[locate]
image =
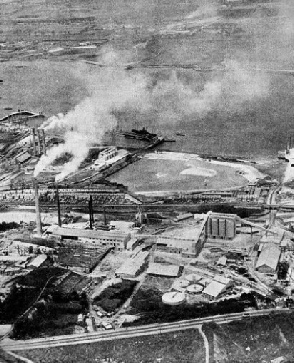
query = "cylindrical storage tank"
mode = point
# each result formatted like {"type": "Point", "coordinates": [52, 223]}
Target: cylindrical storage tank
{"type": "Point", "coordinates": [173, 298]}
{"type": "Point", "coordinates": [214, 227]}
{"type": "Point", "coordinates": [222, 227]}
{"type": "Point", "coordinates": [193, 277]}
{"type": "Point", "coordinates": [194, 289]}
{"type": "Point", "coordinates": [180, 285]}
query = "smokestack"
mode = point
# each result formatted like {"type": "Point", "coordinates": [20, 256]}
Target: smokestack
{"type": "Point", "coordinates": [58, 206]}
{"type": "Point", "coordinates": [91, 212]}
{"type": "Point", "coordinates": [104, 214]}
{"type": "Point", "coordinates": [43, 141]}
{"type": "Point", "coordinates": [39, 142]}
{"type": "Point", "coordinates": [34, 140]}
{"type": "Point", "coordinates": [37, 206]}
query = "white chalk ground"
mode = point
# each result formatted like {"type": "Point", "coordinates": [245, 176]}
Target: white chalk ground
{"type": "Point", "coordinates": [26, 216]}
{"type": "Point", "coordinates": [194, 170]}
{"type": "Point", "coordinates": [247, 171]}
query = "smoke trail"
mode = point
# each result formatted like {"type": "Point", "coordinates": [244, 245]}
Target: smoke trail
{"type": "Point", "coordinates": [86, 124]}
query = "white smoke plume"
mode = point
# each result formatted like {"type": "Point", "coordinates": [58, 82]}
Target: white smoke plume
{"type": "Point", "coordinates": [115, 89]}
{"type": "Point", "coordinates": [289, 173]}
{"type": "Point", "coordinates": [85, 125]}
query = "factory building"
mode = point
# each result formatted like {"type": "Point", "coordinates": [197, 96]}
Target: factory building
{"type": "Point", "coordinates": [108, 153]}
{"type": "Point", "coordinates": [114, 239]}
{"type": "Point", "coordinates": [221, 226]}
{"type": "Point", "coordinates": [39, 261]}
{"type": "Point", "coordinates": [133, 266]}
{"type": "Point", "coordinates": [214, 290]}
{"type": "Point", "coordinates": [158, 269]}
{"type": "Point", "coordinates": [186, 242]}
{"type": "Point", "coordinates": [268, 259]}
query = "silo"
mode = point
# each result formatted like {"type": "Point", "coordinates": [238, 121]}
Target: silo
{"type": "Point", "coordinates": [214, 227]}
{"type": "Point", "coordinates": [222, 227]}
{"type": "Point", "coordinates": [209, 227]}
{"type": "Point", "coordinates": [230, 228]}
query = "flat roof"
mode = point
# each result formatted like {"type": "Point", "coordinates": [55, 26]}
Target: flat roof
{"type": "Point", "coordinates": [163, 270]}
{"type": "Point", "coordinates": [89, 233]}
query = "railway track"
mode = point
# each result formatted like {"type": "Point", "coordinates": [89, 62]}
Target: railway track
{"type": "Point", "coordinates": [124, 333]}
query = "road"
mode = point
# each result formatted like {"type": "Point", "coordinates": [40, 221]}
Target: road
{"type": "Point", "coordinates": [271, 201]}
{"type": "Point", "coordinates": [206, 343]}
{"type": "Point", "coordinates": [132, 332]}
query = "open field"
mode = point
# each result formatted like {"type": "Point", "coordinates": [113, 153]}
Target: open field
{"type": "Point", "coordinates": [166, 172]}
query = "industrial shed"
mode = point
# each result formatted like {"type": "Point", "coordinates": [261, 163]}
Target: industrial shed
{"type": "Point", "coordinates": [268, 259]}
{"type": "Point", "coordinates": [158, 269]}
{"type": "Point", "coordinates": [133, 266]}
{"type": "Point", "coordinates": [38, 261]}
{"type": "Point", "coordinates": [213, 290]}
{"type": "Point", "coordinates": [117, 239]}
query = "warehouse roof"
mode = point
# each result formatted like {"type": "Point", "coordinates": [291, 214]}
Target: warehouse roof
{"type": "Point", "coordinates": [214, 289]}
{"type": "Point", "coordinates": [89, 233]}
{"type": "Point", "coordinates": [37, 261]}
{"type": "Point", "coordinates": [163, 270]}
{"type": "Point", "coordinates": [269, 256]}
{"type": "Point", "coordinates": [132, 264]}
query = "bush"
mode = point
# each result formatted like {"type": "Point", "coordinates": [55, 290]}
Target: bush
{"type": "Point", "coordinates": [114, 296]}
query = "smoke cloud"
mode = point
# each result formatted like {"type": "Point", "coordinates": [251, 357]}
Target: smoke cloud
{"type": "Point", "coordinates": [115, 89]}
{"type": "Point", "coordinates": [227, 90]}
{"type": "Point", "coordinates": [109, 90]}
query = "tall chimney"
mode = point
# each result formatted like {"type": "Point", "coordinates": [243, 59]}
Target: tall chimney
{"type": "Point", "coordinates": [39, 142]}
{"type": "Point", "coordinates": [91, 212]}
{"type": "Point", "coordinates": [34, 140]}
{"type": "Point", "coordinates": [43, 141]}
{"type": "Point", "coordinates": [37, 206]}
{"type": "Point", "coordinates": [58, 206]}
{"type": "Point", "coordinates": [104, 214]}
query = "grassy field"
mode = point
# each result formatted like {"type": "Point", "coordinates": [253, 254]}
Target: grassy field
{"type": "Point", "coordinates": [257, 340]}
{"type": "Point", "coordinates": [161, 175]}
{"type": "Point", "coordinates": [184, 347]}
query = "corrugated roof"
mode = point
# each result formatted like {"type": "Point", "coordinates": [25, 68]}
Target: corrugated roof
{"type": "Point", "coordinates": [163, 270]}
{"type": "Point", "coordinates": [214, 289]}
{"type": "Point", "coordinates": [89, 233]}
{"type": "Point", "coordinates": [269, 256]}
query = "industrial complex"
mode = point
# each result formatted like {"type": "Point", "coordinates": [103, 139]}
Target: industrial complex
{"type": "Point", "coordinates": [108, 249]}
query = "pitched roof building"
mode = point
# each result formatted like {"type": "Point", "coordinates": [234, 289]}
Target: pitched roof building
{"type": "Point", "coordinates": [268, 259]}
